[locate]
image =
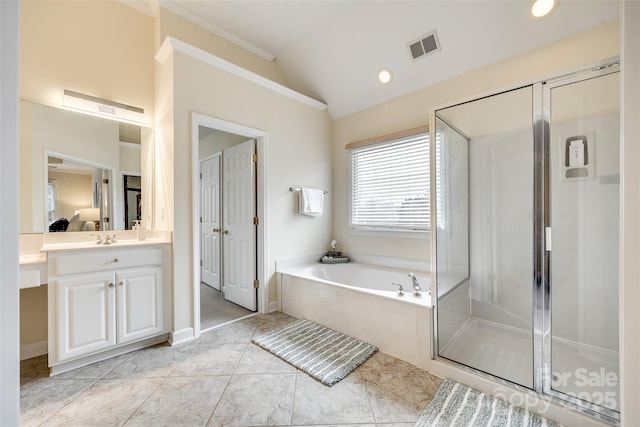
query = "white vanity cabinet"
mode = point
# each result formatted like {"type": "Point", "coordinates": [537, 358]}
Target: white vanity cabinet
{"type": "Point", "coordinates": [105, 301]}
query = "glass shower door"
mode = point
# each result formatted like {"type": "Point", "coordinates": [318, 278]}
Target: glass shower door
{"type": "Point", "coordinates": [584, 201]}
{"type": "Point", "coordinates": [484, 243]}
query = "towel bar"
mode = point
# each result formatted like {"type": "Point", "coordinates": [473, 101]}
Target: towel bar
{"type": "Point", "coordinates": [294, 189]}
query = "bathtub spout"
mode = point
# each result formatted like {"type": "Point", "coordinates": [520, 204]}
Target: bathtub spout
{"type": "Point", "coordinates": [416, 286]}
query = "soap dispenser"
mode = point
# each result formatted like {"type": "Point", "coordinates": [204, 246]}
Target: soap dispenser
{"type": "Point", "coordinates": [141, 232]}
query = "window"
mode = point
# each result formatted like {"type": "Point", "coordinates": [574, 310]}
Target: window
{"type": "Point", "coordinates": [51, 201]}
{"type": "Point", "coordinates": [390, 185]}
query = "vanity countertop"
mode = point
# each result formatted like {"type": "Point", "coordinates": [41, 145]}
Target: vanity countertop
{"type": "Point", "coordinates": [68, 246]}
{"type": "Point", "coordinates": [36, 258]}
{"type": "Point", "coordinates": [87, 240]}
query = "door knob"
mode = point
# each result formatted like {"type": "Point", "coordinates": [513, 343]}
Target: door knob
{"type": "Point", "coordinates": [111, 285]}
{"type": "Point", "coordinates": [225, 231]}
{"type": "Point", "coordinates": [121, 283]}
{"type": "Point", "coordinates": [216, 230]}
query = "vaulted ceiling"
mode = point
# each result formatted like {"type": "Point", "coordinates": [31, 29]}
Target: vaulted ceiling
{"type": "Point", "coordinates": [333, 50]}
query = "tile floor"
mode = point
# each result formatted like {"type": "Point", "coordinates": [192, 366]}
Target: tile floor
{"type": "Point", "coordinates": [215, 310]}
{"type": "Point", "coordinates": [222, 380]}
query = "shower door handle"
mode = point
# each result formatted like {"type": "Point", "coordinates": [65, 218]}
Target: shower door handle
{"type": "Point", "coordinates": [547, 239]}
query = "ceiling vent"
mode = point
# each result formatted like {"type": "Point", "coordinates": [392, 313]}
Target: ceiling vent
{"type": "Point", "coordinates": [425, 45]}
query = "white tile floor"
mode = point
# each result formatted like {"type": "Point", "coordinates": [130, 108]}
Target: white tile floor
{"type": "Point", "coordinates": [222, 380]}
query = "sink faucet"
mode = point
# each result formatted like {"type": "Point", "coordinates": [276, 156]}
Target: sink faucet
{"type": "Point", "coordinates": [108, 239]}
{"type": "Point", "coordinates": [98, 238]}
{"type": "Point", "coordinates": [416, 286]}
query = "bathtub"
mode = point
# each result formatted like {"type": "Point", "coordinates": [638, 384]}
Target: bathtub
{"type": "Point", "coordinates": [360, 300]}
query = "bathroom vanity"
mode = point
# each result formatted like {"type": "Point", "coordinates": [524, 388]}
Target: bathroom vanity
{"type": "Point", "coordinates": [102, 299]}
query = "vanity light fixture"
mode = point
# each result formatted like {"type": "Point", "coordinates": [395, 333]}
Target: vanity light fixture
{"type": "Point", "coordinates": [385, 75]}
{"type": "Point", "coordinates": [103, 108]}
{"type": "Point", "coordinates": [542, 8]}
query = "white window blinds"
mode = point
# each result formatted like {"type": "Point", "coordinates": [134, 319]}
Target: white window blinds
{"type": "Point", "coordinates": [390, 184]}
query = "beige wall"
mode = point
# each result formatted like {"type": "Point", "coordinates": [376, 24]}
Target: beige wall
{"type": "Point", "coordinates": [101, 48]}
{"type": "Point", "coordinates": [73, 193]}
{"type": "Point", "coordinates": [130, 157]}
{"type": "Point", "coordinates": [298, 152]}
{"type": "Point", "coordinates": [413, 110]}
{"type": "Point", "coordinates": [630, 230]}
{"type": "Point", "coordinates": [33, 312]}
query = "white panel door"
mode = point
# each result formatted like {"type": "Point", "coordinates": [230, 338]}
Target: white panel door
{"type": "Point", "coordinates": [239, 235]}
{"type": "Point", "coordinates": [210, 227]}
{"type": "Point", "coordinates": [85, 314]}
{"type": "Point", "coordinates": [140, 302]}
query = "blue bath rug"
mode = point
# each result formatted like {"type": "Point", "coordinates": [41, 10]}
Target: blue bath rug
{"type": "Point", "coordinates": [323, 353]}
{"type": "Point", "coordinates": [458, 405]}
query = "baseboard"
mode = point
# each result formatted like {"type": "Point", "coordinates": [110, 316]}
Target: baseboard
{"type": "Point", "coordinates": [34, 349]}
{"type": "Point", "coordinates": [182, 336]}
{"type": "Point", "coordinates": [273, 306]}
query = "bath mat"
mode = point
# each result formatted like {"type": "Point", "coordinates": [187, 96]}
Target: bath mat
{"type": "Point", "coordinates": [323, 353]}
{"type": "Point", "coordinates": [458, 405]}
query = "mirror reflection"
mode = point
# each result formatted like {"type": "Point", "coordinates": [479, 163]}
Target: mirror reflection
{"type": "Point", "coordinates": [76, 196]}
{"type": "Point", "coordinates": [78, 172]}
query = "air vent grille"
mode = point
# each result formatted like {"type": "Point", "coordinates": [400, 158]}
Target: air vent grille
{"type": "Point", "coordinates": [425, 45]}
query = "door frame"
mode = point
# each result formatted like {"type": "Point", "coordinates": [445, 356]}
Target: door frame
{"type": "Point", "coordinates": [261, 138]}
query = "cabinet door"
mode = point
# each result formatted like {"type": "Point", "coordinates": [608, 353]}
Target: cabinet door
{"type": "Point", "coordinates": [85, 314]}
{"type": "Point", "coordinates": [140, 301]}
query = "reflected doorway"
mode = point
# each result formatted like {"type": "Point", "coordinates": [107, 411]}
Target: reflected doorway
{"type": "Point", "coordinates": [132, 200]}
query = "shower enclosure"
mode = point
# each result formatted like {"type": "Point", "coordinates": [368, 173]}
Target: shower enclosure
{"type": "Point", "coordinates": [526, 213]}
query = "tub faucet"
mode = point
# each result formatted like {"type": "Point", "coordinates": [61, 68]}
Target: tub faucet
{"type": "Point", "coordinates": [416, 286]}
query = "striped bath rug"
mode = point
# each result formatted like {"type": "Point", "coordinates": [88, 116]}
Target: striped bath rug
{"type": "Point", "coordinates": [458, 405]}
{"type": "Point", "coordinates": [323, 353]}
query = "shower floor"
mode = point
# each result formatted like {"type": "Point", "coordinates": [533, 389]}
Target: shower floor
{"type": "Point", "coordinates": [580, 370]}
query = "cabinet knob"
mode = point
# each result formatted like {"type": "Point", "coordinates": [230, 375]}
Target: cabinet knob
{"type": "Point", "coordinates": [115, 260]}
{"type": "Point", "coordinates": [111, 285]}
{"type": "Point", "coordinates": [121, 283]}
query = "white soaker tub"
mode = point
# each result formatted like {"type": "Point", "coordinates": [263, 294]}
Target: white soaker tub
{"type": "Point", "coordinates": [360, 300]}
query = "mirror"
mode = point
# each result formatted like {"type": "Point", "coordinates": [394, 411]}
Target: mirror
{"type": "Point", "coordinates": [77, 198]}
{"type": "Point", "coordinates": [78, 172]}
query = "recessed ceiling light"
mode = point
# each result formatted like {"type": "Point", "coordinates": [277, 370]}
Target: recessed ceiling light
{"type": "Point", "coordinates": [542, 8]}
{"type": "Point", "coordinates": [384, 75]}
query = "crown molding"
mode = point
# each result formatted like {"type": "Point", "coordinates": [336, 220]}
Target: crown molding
{"type": "Point", "coordinates": [174, 7]}
{"type": "Point", "coordinates": [148, 7]}
{"type": "Point", "coordinates": [171, 44]}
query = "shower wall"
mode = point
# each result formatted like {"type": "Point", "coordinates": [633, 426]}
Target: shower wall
{"type": "Point", "coordinates": [585, 224]}
{"type": "Point", "coordinates": [501, 236]}
{"type": "Point", "coordinates": [501, 268]}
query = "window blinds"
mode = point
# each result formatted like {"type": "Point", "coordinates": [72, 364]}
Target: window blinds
{"type": "Point", "coordinates": [390, 184]}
